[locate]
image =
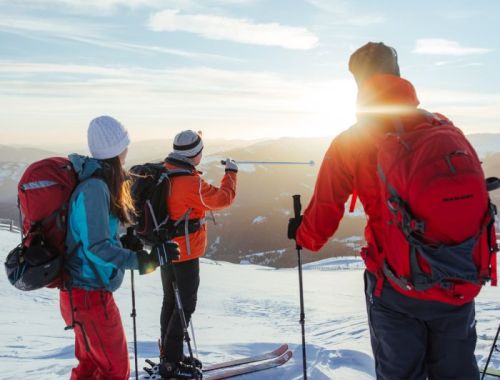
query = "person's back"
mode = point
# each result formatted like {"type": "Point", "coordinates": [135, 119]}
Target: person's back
{"type": "Point", "coordinates": [441, 334]}
{"type": "Point", "coordinates": [95, 259]}
{"type": "Point", "coordinates": [189, 198]}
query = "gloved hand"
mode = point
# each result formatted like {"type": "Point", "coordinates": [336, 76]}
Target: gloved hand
{"type": "Point", "coordinates": [293, 226]}
{"type": "Point", "coordinates": [231, 165]}
{"type": "Point", "coordinates": [131, 241]}
{"type": "Point", "coordinates": [147, 263]}
{"type": "Point", "coordinates": [170, 251]}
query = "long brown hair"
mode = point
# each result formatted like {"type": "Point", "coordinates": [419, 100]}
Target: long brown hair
{"type": "Point", "coordinates": [121, 203]}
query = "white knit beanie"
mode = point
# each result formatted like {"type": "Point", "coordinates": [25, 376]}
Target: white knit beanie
{"type": "Point", "coordinates": [188, 144]}
{"type": "Point", "coordinates": [107, 137]}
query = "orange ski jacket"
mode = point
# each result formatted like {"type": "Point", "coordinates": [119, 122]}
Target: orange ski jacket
{"type": "Point", "coordinates": [349, 166]}
{"type": "Point", "coordinates": [192, 196]}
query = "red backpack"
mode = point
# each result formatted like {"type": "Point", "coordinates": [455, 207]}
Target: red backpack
{"type": "Point", "coordinates": [44, 191]}
{"type": "Point", "coordinates": [440, 230]}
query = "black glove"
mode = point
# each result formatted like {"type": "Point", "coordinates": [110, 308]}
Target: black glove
{"type": "Point", "coordinates": [131, 241]}
{"type": "Point", "coordinates": [147, 263]}
{"type": "Point", "coordinates": [169, 250]}
{"type": "Point", "coordinates": [293, 226]}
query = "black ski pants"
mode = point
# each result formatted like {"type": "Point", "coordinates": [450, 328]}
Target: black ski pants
{"type": "Point", "coordinates": [187, 276]}
{"type": "Point", "coordinates": [417, 340]}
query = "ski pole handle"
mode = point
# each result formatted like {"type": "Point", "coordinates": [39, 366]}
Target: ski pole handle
{"type": "Point", "coordinates": [297, 207]}
{"type": "Point", "coordinates": [492, 183]}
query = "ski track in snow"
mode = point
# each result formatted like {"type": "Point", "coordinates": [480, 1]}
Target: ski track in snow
{"type": "Point", "coordinates": [242, 310]}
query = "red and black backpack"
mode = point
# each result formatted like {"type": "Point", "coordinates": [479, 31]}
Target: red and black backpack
{"type": "Point", "coordinates": [44, 191]}
{"type": "Point", "coordinates": [439, 219]}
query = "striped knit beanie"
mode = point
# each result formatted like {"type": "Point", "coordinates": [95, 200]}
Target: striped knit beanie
{"type": "Point", "coordinates": [188, 144]}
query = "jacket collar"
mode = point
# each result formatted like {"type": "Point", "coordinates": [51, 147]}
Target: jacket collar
{"type": "Point", "coordinates": [386, 94]}
{"type": "Point", "coordinates": [180, 161]}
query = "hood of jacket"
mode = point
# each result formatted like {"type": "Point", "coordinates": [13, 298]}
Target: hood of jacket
{"type": "Point", "coordinates": [386, 94]}
{"type": "Point", "coordinates": [85, 167]}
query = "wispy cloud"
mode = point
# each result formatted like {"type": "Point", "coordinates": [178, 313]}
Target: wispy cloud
{"type": "Point", "coordinates": [90, 34]}
{"type": "Point", "coordinates": [344, 15]}
{"type": "Point", "coordinates": [106, 7]}
{"type": "Point", "coordinates": [234, 29]}
{"type": "Point", "coordinates": [154, 100]}
{"type": "Point", "coordinates": [32, 68]}
{"type": "Point", "coordinates": [439, 46]}
{"type": "Point", "coordinates": [473, 112]}
{"type": "Point", "coordinates": [54, 26]}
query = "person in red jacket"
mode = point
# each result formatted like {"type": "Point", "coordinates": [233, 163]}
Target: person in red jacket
{"type": "Point", "coordinates": [190, 198]}
{"type": "Point", "coordinates": [414, 335]}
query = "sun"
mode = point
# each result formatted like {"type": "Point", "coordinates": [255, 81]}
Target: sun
{"type": "Point", "coordinates": [329, 108]}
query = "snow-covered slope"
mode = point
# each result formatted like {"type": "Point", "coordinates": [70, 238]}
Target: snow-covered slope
{"type": "Point", "coordinates": [243, 309]}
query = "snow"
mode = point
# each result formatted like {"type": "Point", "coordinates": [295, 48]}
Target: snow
{"type": "Point", "coordinates": [11, 170]}
{"type": "Point", "coordinates": [242, 310]}
{"type": "Point", "coordinates": [259, 219]}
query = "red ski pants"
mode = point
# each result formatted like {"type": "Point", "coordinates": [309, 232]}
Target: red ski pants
{"type": "Point", "coordinates": [100, 324]}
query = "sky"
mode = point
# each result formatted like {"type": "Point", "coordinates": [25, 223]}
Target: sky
{"type": "Point", "coordinates": [235, 69]}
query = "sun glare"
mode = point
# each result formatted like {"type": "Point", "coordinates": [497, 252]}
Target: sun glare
{"type": "Point", "coordinates": [330, 108]}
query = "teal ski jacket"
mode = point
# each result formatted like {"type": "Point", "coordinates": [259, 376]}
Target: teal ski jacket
{"type": "Point", "coordinates": [95, 259]}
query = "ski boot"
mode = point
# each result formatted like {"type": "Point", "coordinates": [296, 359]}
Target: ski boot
{"type": "Point", "coordinates": [179, 371]}
{"type": "Point", "coordinates": [196, 362]}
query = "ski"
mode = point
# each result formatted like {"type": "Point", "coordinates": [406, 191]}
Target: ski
{"type": "Point", "coordinates": [491, 372]}
{"type": "Point", "coordinates": [249, 359]}
{"type": "Point", "coordinates": [152, 372]}
{"type": "Point", "coordinates": [230, 372]}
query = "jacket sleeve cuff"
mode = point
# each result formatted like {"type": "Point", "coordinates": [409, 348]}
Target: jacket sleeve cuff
{"type": "Point", "coordinates": [132, 262]}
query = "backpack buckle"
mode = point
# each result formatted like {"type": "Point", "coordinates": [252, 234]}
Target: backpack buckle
{"type": "Point", "coordinates": [417, 225]}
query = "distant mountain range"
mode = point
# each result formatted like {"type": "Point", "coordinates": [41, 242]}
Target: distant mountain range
{"type": "Point", "coordinates": [254, 229]}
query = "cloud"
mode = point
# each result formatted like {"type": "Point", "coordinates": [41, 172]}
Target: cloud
{"type": "Point", "coordinates": [234, 29]}
{"type": "Point", "coordinates": [473, 112]}
{"type": "Point", "coordinates": [438, 46]}
{"type": "Point", "coordinates": [344, 15]}
{"type": "Point", "coordinates": [90, 34]}
{"type": "Point", "coordinates": [57, 27]}
{"type": "Point", "coordinates": [106, 7]}
{"type": "Point", "coordinates": [221, 102]}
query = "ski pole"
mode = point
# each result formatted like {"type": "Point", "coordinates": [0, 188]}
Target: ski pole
{"type": "Point", "coordinates": [182, 316]}
{"type": "Point", "coordinates": [194, 338]}
{"type": "Point", "coordinates": [310, 163]}
{"type": "Point", "coordinates": [133, 315]}
{"type": "Point", "coordinates": [164, 258]}
{"type": "Point", "coordinates": [130, 231]}
{"type": "Point", "coordinates": [493, 347]}
{"type": "Point", "coordinates": [492, 183]}
{"type": "Point", "coordinates": [297, 208]}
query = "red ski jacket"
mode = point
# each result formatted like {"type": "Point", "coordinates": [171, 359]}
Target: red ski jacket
{"type": "Point", "coordinates": [349, 166]}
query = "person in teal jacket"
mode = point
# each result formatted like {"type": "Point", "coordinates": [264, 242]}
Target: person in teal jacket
{"type": "Point", "coordinates": [96, 258]}
{"type": "Point", "coordinates": [96, 261]}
